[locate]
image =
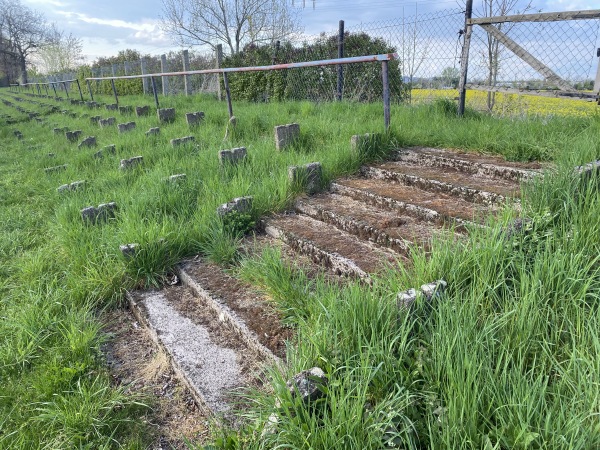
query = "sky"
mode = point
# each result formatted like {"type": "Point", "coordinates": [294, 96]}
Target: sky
{"type": "Point", "coordinates": [107, 26]}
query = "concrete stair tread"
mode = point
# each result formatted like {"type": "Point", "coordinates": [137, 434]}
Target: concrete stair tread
{"type": "Point", "coordinates": [472, 157]}
{"type": "Point", "coordinates": [505, 188]}
{"type": "Point", "coordinates": [368, 221]}
{"type": "Point", "coordinates": [302, 232]}
{"type": "Point", "coordinates": [208, 356]}
{"type": "Point", "coordinates": [446, 205]}
{"type": "Point", "coordinates": [249, 306]}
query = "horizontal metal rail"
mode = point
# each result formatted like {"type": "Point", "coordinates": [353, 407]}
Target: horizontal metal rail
{"type": "Point", "coordinates": [324, 62]}
{"type": "Point", "coordinates": [44, 83]}
{"type": "Point", "coordinates": [541, 17]}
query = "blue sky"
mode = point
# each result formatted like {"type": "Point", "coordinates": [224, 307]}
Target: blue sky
{"type": "Point", "coordinates": [107, 26]}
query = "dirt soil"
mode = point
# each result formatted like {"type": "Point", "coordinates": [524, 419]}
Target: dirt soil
{"type": "Point", "coordinates": [137, 365]}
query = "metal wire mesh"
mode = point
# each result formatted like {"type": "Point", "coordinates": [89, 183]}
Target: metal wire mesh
{"type": "Point", "coordinates": [429, 47]}
{"type": "Point", "coordinates": [567, 48]}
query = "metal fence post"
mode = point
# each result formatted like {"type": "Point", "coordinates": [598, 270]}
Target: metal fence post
{"type": "Point", "coordinates": [228, 95]}
{"type": "Point", "coordinates": [155, 92]}
{"type": "Point", "coordinates": [597, 82]}
{"type": "Point", "coordinates": [187, 85]}
{"type": "Point", "coordinates": [90, 89]}
{"type": "Point", "coordinates": [219, 51]}
{"type": "Point", "coordinates": [144, 71]}
{"type": "Point", "coordinates": [386, 94]}
{"type": "Point", "coordinates": [464, 59]}
{"type": "Point", "coordinates": [164, 68]}
{"type": "Point", "coordinates": [114, 91]}
{"type": "Point", "coordinates": [340, 68]}
{"type": "Point", "coordinates": [79, 87]}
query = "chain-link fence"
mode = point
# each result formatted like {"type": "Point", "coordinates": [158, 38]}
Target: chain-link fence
{"type": "Point", "coordinates": [429, 49]}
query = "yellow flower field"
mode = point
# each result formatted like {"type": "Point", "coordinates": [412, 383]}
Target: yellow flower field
{"type": "Point", "coordinates": [513, 104]}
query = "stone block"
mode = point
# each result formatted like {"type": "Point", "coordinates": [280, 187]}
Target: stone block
{"type": "Point", "coordinates": [429, 291]}
{"type": "Point", "coordinates": [153, 131]}
{"type": "Point", "coordinates": [108, 122]}
{"type": "Point", "coordinates": [142, 111]}
{"type": "Point", "coordinates": [73, 136]}
{"type": "Point", "coordinates": [239, 204]}
{"type": "Point", "coordinates": [125, 127]}
{"type": "Point", "coordinates": [91, 105]}
{"type": "Point", "coordinates": [309, 385]}
{"type": "Point", "coordinates": [233, 156]}
{"type": "Point", "coordinates": [126, 109]}
{"type": "Point", "coordinates": [51, 155]}
{"type": "Point", "coordinates": [285, 135]}
{"type": "Point", "coordinates": [60, 130]}
{"type": "Point", "coordinates": [89, 141]}
{"type": "Point", "coordinates": [182, 141]}
{"type": "Point", "coordinates": [166, 115]}
{"type": "Point", "coordinates": [359, 142]}
{"type": "Point", "coordinates": [309, 176]}
{"type": "Point", "coordinates": [131, 162]}
{"type": "Point", "coordinates": [95, 119]}
{"type": "Point", "coordinates": [129, 250]}
{"type": "Point", "coordinates": [102, 213]}
{"type": "Point", "coordinates": [55, 169]}
{"type": "Point", "coordinates": [76, 185]}
{"type": "Point", "coordinates": [112, 107]}
{"type": "Point", "coordinates": [194, 118]}
{"type": "Point", "coordinates": [18, 134]}
{"type": "Point", "coordinates": [176, 178]}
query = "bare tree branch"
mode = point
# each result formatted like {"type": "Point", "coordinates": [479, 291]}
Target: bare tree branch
{"type": "Point", "coordinates": [234, 23]}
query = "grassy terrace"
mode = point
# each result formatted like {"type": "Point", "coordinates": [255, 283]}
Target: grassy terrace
{"type": "Point", "coordinates": [509, 359]}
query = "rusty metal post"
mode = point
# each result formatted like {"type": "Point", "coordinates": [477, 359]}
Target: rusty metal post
{"type": "Point", "coordinates": [112, 81]}
{"type": "Point", "coordinates": [154, 91]}
{"type": "Point", "coordinates": [228, 95]}
{"type": "Point", "coordinates": [79, 87]}
{"type": "Point", "coordinates": [89, 85]}
{"type": "Point", "coordinates": [386, 94]}
{"type": "Point", "coordinates": [340, 67]}
{"type": "Point", "coordinates": [464, 59]}
{"type": "Point", "coordinates": [54, 88]}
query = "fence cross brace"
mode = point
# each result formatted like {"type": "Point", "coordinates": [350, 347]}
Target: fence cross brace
{"type": "Point", "coordinates": [527, 57]}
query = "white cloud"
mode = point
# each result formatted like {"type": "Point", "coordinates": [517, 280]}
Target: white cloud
{"type": "Point", "coordinates": [148, 25]}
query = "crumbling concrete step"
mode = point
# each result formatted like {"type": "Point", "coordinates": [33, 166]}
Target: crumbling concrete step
{"type": "Point", "coordinates": [433, 207]}
{"type": "Point", "coordinates": [459, 184]}
{"type": "Point", "coordinates": [204, 352]}
{"type": "Point", "coordinates": [246, 311]}
{"type": "Point", "coordinates": [473, 163]}
{"type": "Point", "coordinates": [344, 253]}
{"type": "Point", "coordinates": [390, 228]}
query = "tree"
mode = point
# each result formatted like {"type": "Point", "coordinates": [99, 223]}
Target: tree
{"type": "Point", "coordinates": [450, 77]}
{"type": "Point", "coordinates": [22, 32]}
{"type": "Point", "coordinates": [234, 23]}
{"type": "Point", "coordinates": [62, 54]}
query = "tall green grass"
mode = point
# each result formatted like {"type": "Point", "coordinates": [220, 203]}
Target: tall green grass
{"type": "Point", "coordinates": [395, 376]}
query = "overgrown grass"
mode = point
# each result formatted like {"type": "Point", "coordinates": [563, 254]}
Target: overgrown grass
{"type": "Point", "coordinates": [507, 358]}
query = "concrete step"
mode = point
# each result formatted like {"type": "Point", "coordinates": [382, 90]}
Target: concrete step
{"type": "Point", "coordinates": [470, 162]}
{"type": "Point", "coordinates": [391, 228]}
{"type": "Point", "coordinates": [345, 254]}
{"type": "Point", "coordinates": [239, 305]}
{"type": "Point", "coordinates": [204, 351]}
{"type": "Point", "coordinates": [438, 208]}
{"type": "Point", "coordinates": [470, 187]}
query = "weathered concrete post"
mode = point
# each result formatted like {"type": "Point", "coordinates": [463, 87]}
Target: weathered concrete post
{"type": "Point", "coordinates": [114, 70]}
{"type": "Point", "coordinates": [144, 71]}
{"type": "Point", "coordinates": [164, 68]}
{"type": "Point", "coordinates": [186, 78]}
